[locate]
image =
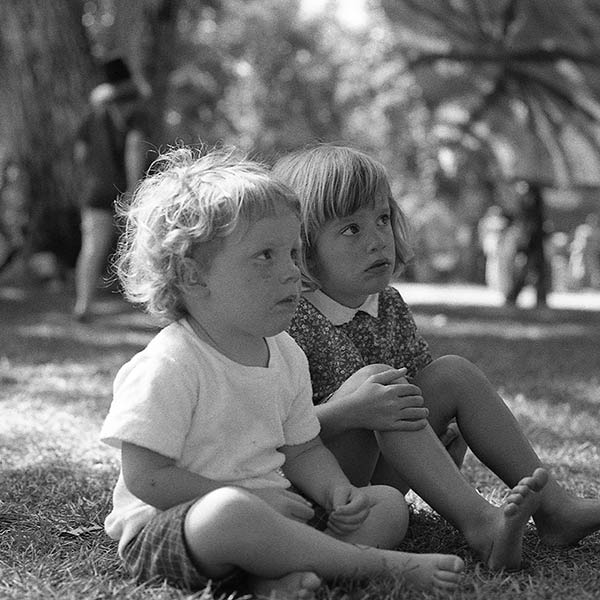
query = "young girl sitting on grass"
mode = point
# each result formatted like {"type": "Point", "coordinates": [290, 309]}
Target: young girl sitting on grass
{"type": "Point", "coordinates": [361, 341]}
{"type": "Point", "coordinates": [214, 418]}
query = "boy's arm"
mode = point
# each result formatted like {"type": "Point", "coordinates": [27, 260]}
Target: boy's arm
{"type": "Point", "coordinates": [155, 479]}
{"type": "Point", "coordinates": [313, 469]}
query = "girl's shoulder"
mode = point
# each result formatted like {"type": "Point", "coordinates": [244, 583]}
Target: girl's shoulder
{"type": "Point", "coordinates": [308, 324]}
{"type": "Point", "coordinates": [390, 297]}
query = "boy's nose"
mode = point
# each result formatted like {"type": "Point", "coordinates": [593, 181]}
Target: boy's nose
{"type": "Point", "coordinates": [291, 272]}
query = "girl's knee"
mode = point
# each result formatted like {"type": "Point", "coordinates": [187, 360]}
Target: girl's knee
{"type": "Point", "coordinates": [446, 368]}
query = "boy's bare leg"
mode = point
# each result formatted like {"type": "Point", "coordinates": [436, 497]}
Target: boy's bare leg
{"type": "Point", "coordinates": [454, 387]}
{"type": "Point", "coordinates": [231, 528]}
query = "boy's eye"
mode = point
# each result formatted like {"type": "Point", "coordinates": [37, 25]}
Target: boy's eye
{"type": "Point", "coordinates": [295, 255]}
{"type": "Point", "coordinates": [351, 229]}
{"type": "Point", "coordinates": [266, 254]}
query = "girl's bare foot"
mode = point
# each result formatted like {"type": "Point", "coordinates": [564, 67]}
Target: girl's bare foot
{"type": "Point", "coordinates": [295, 586]}
{"type": "Point", "coordinates": [427, 571]}
{"type": "Point", "coordinates": [505, 549]}
{"type": "Point", "coordinates": [571, 520]}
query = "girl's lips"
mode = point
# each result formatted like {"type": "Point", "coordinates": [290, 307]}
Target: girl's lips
{"type": "Point", "coordinates": [380, 265]}
{"type": "Point", "coordinates": [291, 299]}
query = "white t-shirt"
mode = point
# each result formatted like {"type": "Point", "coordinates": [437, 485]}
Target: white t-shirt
{"type": "Point", "coordinates": [225, 421]}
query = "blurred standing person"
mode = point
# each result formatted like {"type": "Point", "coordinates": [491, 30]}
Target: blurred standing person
{"type": "Point", "coordinates": [584, 260]}
{"type": "Point", "coordinates": [530, 259]}
{"type": "Point", "coordinates": [491, 229]}
{"type": "Point", "coordinates": [111, 152]}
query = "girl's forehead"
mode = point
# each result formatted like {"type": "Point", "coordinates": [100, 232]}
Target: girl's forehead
{"type": "Point", "coordinates": [376, 203]}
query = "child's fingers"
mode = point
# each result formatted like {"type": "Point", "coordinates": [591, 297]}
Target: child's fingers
{"type": "Point", "coordinates": [404, 425]}
{"type": "Point", "coordinates": [346, 523]}
{"type": "Point", "coordinates": [355, 503]}
{"type": "Point", "coordinates": [389, 376]}
{"type": "Point", "coordinates": [298, 507]}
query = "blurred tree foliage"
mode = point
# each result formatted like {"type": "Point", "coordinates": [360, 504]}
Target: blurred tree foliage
{"type": "Point", "coordinates": [424, 76]}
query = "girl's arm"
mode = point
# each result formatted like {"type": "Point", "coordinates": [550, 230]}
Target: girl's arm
{"type": "Point", "coordinates": [155, 479]}
{"type": "Point", "coordinates": [377, 398]}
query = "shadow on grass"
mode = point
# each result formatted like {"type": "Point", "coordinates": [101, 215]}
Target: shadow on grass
{"type": "Point", "coordinates": [37, 325]}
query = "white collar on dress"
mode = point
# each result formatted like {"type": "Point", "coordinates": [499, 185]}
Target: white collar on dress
{"type": "Point", "coordinates": [337, 313]}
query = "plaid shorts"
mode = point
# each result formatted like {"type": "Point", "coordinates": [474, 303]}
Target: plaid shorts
{"type": "Point", "coordinates": [159, 552]}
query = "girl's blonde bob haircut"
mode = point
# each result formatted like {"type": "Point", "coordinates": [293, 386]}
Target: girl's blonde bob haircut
{"type": "Point", "coordinates": [178, 217]}
{"type": "Point", "coordinates": [334, 181]}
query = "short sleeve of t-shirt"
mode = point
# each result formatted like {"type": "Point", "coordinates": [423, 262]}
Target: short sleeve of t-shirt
{"type": "Point", "coordinates": [154, 400]}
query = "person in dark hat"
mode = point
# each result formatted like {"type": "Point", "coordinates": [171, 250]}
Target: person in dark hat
{"type": "Point", "coordinates": [112, 153]}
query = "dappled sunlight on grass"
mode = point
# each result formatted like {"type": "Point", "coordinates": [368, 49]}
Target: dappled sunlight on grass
{"type": "Point", "coordinates": [55, 389]}
{"type": "Point", "coordinates": [85, 335]}
{"type": "Point", "coordinates": [37, 431]}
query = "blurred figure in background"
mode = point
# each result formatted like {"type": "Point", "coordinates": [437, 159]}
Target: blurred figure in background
{"type": "Point", "coordinates": [491, 230]}
{"type": "Point", "coordinates": [584, 260]}
{"type": "Point", "coordinates": [112, 155]}
{"type": "Point", "coordinates": [530, 261]}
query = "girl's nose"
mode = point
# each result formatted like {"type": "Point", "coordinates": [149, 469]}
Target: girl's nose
{"type": "Point", "coordinates": [377, 240]}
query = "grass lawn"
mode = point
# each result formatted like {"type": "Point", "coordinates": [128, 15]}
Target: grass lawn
{"type": "Point", "coordinates": [55, 387]}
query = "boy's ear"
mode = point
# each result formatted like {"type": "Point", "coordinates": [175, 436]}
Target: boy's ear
{"type": "Point", "coordinates": [197, 286]}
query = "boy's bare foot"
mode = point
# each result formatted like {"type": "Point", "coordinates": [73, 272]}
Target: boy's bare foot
{"type": "Point", "coordinates": [506, 546]}
{"type": "Point", "coordinates": [427, 571]}
{"type": "Point", "coordinates": [571, 520]}
{"type": "Point", "coordinates": [295, 586]}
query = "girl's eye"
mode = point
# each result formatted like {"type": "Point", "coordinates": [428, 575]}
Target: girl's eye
{"type": "Point", "coordinates": [384, 219]}
{"type": "Point", "coordinates": [295, 255]}
{"type": "Point", "coordinates": [352, 229]}
{"type": "Point", "coordinates": [266, 255]}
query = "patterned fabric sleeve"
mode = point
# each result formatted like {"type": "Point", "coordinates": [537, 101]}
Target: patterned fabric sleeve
{"type": "Point", "coordinates": [410, 339]}
{"type": "Point", "coordinates": [332, 357]}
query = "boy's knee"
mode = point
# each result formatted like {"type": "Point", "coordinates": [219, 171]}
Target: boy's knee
{"type": "Point", "coordinates": [231, 505]}
{"type": "Point", "coordinates": [392, 504]}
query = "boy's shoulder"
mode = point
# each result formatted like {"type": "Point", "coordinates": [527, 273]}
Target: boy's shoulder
{"type": "Point", "coordinates": [288, 347]}
{"type": "Point", "coordinates": [172, 345]}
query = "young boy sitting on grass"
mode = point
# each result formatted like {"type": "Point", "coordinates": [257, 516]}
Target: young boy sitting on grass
{"type": "Point", "coordinates": [214, 418]}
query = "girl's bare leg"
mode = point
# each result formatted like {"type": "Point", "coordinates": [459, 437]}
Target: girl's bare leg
{"type": "Point", "coordinates": [454, 387]}
{"type": "Point", "coordinates": [231, 528]}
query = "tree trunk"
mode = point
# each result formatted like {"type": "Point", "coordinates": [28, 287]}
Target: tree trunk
{"type": "Point", "coordinates": [44, 60]}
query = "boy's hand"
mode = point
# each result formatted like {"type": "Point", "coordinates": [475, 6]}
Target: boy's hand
{"type": "Point", "coordinates": [350, 508]}
{"type": "Point", "coordinates": [380, 398]}
{"type": "Point", "coordinates": [289, 504]}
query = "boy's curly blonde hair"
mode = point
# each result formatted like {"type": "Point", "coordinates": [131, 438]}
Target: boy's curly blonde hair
{"type": "Point", "coordinates": [334, 181]}
{"type": "Point", "coordinates": [178, 215]}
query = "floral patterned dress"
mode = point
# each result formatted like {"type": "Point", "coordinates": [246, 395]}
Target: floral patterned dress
{"type": "Point", "coordinates": [336, 352]}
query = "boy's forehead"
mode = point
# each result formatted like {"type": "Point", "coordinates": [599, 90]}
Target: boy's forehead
{"type": "Point", "coordinates": [264, 225]}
